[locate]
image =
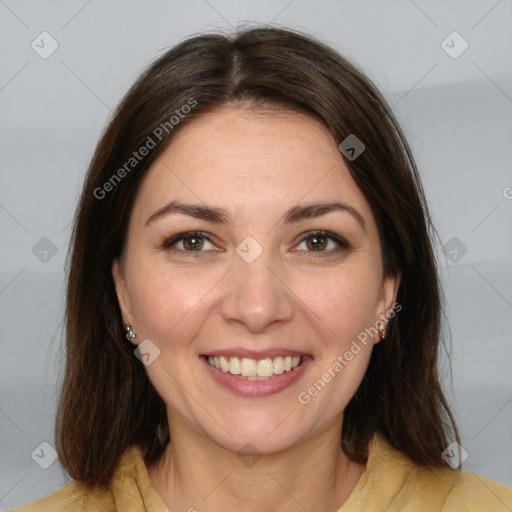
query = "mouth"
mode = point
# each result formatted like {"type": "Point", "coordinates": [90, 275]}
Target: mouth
{"type": "Point", "coordinates": [262, 375]}
{"type": "Point", "coordinates": [255, 369]}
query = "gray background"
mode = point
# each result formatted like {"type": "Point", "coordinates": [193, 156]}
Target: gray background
{"type": "Point", "coordinates": [457, 114]}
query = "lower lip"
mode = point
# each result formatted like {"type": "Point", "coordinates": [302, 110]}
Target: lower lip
{"type": "Point", "coordinates": [257, 388]}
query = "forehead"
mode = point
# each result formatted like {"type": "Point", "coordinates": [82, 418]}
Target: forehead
{"type": "Point", "coordinates": [246, 161]}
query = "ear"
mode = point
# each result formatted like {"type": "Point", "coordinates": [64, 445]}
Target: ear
{"type": "Point", "coordinates": [388, 293]}
{"type": "Point", "coordinates": [122, 292]}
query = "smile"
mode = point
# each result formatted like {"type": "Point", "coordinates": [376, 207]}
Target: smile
{"type": "Point", "coordinates": [262, 375]}
{"type": "Point", "coordinates": [254, 369]}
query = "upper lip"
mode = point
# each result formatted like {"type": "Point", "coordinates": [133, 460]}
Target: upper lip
{"type": "Point", "coordinates": [256, 354]}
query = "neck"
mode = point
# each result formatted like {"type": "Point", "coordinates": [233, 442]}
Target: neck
{"type": "Point", "coordinates": [194, 473]}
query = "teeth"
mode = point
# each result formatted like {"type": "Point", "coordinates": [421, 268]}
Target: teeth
{"type": "Point", "coordinates": [255, 369]}
{"type": "Point", "coordinates": [278, 365]}
{"type": "Point", "coordinates": [265, 368]}
{"type": "Point", "coordinates": [224, 365]}
{"type": "Point", "coordinates": [249, 367]}
{"type": "Point", "coordinates": [234, 366]}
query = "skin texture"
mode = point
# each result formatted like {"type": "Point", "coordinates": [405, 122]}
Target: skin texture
{"type": "Point", "coordinates": [256, 166]}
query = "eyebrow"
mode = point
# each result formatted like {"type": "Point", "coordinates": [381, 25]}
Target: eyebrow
{"type": "Point", "coordinates": [220, 216]}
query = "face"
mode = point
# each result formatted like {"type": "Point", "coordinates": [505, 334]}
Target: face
{"type": "Point", "coordinates": [229, 254]}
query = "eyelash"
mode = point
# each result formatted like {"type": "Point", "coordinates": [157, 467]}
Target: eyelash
{"type": "Point", "coordinates": [342, 243]}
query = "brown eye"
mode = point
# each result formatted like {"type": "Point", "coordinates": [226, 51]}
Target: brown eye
{"type": "Point", "coordinates": [316, 243]}
{"type": "Point", "coordinates": [192, 243]}
{"type": "Point", "coordinates": [189, 242]}
{"type": "Point", "coordinates": [324, 242]}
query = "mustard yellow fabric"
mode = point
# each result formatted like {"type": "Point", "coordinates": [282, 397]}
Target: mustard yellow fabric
{"type": "Point", "coordinates": [391, 482]}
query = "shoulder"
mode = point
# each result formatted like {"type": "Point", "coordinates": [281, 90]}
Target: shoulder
{"type": "Point", "coordinates": [74, 497]}
{"type": "Point", "coordinates": [476, 493]}
{"type": "Point", "coordinates": [407, 486]}
{"type": "Point", "coordinates": [77, 497]}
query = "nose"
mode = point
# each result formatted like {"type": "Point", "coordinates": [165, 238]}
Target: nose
{"type": "Point", "coordinates": [257, 296]}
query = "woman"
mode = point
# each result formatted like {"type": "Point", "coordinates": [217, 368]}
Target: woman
{"type": "Point", "coordinates": [253, 307]}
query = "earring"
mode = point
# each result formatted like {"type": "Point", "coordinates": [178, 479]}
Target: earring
{"type": "Point", "coordinates": [130, 333]}
{"type": "Point", "coordinates": [383, 329]}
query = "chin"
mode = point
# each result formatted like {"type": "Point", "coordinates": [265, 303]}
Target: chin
{"type": "Point", "coordinates": [264, 437]}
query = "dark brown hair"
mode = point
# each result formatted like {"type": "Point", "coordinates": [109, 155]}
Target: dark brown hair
{"type": "Point", "coordinates": [107, 402]}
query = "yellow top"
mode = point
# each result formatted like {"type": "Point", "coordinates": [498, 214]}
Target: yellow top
{"type": "Point", "coordinates": [391, 482]}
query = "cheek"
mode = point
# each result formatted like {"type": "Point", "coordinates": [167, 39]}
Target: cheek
{"type": "Point", "coordinates": [345, 301]}
{"type": "Point", "coordinates": [167, 301]}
